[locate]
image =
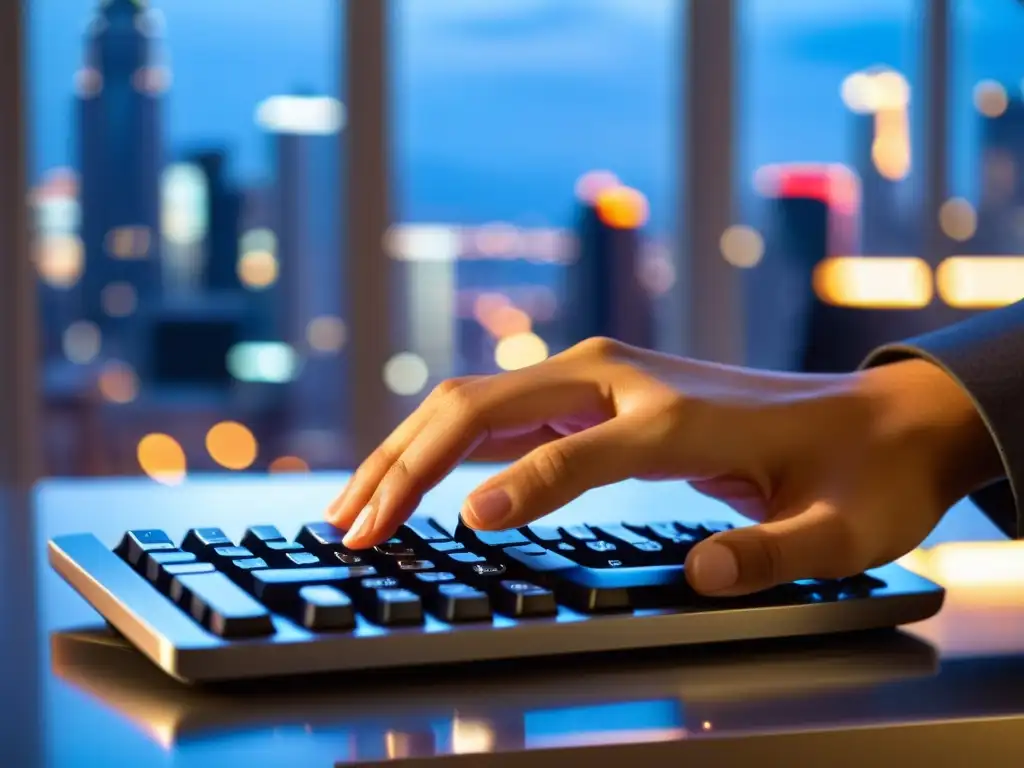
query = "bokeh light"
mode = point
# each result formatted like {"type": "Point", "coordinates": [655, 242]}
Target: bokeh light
{"type": "Point", "coordinates": [892, 282]}
{"type": "Point", "coordinates": [288, 465]}
{"type": "Point", "coordinates": [990, 98]}
{"type": "Point", "coordinates": [622, 207]}
{"type": "Point", "coordinates": [118, 382]}
{"type": "Point", "coordinates": [742, 246]}
{"type": "Point", "coordinates": [406, 374]}
{"type": "Point", "coordinates": [980, 282]}
{"type": "Point", "coordinates": [326, 334]}
{"type": "Point", "coordinates": [257, 269]}
{"type": "Point", "coordinates": [958, 219]}
{"type": "Point", "coordinates": [60, 260]}
{"type": "Point", "coordinates": [520, 351]}
{"type": "Point", "coordinates": [81, 342]}
{"type": "Point", "coordinates": [119, 299]}
{"type": "Point", "coordinates": [232, 445]}
{"type": "Point", "coordinates": [162, 458]}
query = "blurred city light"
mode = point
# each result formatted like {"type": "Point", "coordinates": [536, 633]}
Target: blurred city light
{"type": "Point", "coordinates": [257, 269]}
{"type": "Point", "coordinates": [990, 98]}
{"type": "Point", "coordinates": [891, 282]}
{"type": "Point", "coordinates": [592, 184]}
{"type": "Point", "coordinates": [266, 362]}
{"type": "Point", "coordinates": [406, 374]}
{"type": "Point", "coordinates": [423, 242]}
{"type": "Point", "coordinates": [308, 115]}
{"type": "Point", "coordinates": [958, 219]}
{"type": "Point", "coordinates": [60, 260]}
{"type": "Point", "coordinates": [326, 334]}
{"type": "Point", "coordinates": [520, 351]}
{"type": "Point", "coordinates": [162, 458]}
{"type": "Point", "coordinates": [81, 342]}
{"type": "Point", "coordinates": [622, 207]}
{"type": "Point", "coordinates": [742, 246]}
{"type": "Point", "coordinates": [288, 465]}
{"type": "Point", "coordinates": [980, 282]}
{"type": "Point", "coordinates": [232, 445]}
{"type": "Point", "coordinates": [185, 195]}
{"type": "Point", "coordinates": [118, 382]}
{"type": "Point", "coordinates": [119, 299]}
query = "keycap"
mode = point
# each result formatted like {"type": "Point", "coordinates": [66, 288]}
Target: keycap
{"type": "Point", "coordinates": [448, 546]}
{"type": "Point", "coordinates": [474, 538]}
{"type": "Point", "coordinates": [422, 529]}
{"type": "Point", "coordinates": [135, 544]}
{"type": "Point", "coordinates": [240, 571]}
{"type": "Point", "coordinates": [458, 602]}
{"type": "Point", "coordinates": [313, 535]}
{"type": "Point", "coordinates": [539, 559]}
{"type": "Point", "coordinates": [434, 577]}
{"type": "Point", "coordinates": [280, 586]}
{"type": "Point", "coordinates": [157, 561]}
{"type": "Point", "coordinates": [231, 552]}
{"type": "Point", "coordinates": [302, 558]}
{"type": "Point", "coordinates": [415, 565]}
{"type": "Point", "coordinates": [523, 599]}
{"type": "Point", "coordinates": [325, 608]}
{"type": "Point", "coordinates": [167, 573]}
{"type": "Point", "coordinates": [202, 540]}
{"type": "Point", "coordinates": [579, 533]}
{"type": "Point", "coordinates": [543, 533]}
{"type": "Point", "coordinates": [624, 535]}
{"type": "Point", "coordinates": [248, 563]}
{"type": "Point", "coordinates": [223, 607]}
{"type": "Point", "coordinates": [347, 558]}
{"type": "Point", "coordinates": [466, 557]}
{"type": "Point", "coordinates": [258, 536]}
{"type": "Point", "coordinates": [395, 549]}
{"type": "Point", "coordinates": [666, 533]}
{"type": "Point", "coordinates": [284, 546]}
{"type": "Point", "coordinates": [388, 605]}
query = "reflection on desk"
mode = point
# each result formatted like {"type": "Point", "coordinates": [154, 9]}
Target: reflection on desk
{"type": "Point", "coordinates": [503, 707]}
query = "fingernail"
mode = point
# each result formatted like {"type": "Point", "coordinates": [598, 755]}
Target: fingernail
{"type": "Point", "coordinates": [714, 568]}
{"type": "Point", "coordinates": [362, 526]}
{"type": "Point", "coordinates": [489, 507]}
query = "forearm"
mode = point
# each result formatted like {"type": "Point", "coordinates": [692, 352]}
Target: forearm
{"type": "Point", "coordinates": [983, 361]}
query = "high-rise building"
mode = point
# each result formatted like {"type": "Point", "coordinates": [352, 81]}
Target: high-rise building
{"type": "Point", "coordinates": [223, 216]}
{"type": "Point", "coordinates": [307, 206]}
{"type": "Point", "coordinates": [604, 292]}
{"type": "Point", "coordinates": [120, 147]}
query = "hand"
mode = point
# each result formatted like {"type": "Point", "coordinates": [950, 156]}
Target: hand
{"type": "Point", "coordinates": [842, 472]}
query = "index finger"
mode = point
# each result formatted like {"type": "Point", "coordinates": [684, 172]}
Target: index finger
{"type": "Point", "coordinates": [501, 406]}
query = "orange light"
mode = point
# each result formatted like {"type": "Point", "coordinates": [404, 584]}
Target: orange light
{"type": "Point", "coordinates": [286, 465]}
{"type": "Point", "coordinates": [520, 351]}
{"type": "Point", "coordinates": [622, 207]}
{"type": "Point", "coordinates": [162, 459]}
{"type": "Point", "coordinates": [980, 282]}
{"type": "Point", "coordinates": [507, 321]}
{"type": "Point", "coordinates": [884, 282]}
{"type": "Point", "coordinates": [231, 445]}
{"type": "Point", "coordinates": [118, 383]}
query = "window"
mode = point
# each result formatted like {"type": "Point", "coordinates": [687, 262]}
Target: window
{"type": "Point", "coordinates": [535, 164]}
{"type": "Point", "coordinates": [188, 228]}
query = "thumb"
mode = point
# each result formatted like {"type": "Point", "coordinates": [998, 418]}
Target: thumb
{"type": "Point", "coordinates": [814, 544]}
{"type": "Point", "coordinates": [552, 475]}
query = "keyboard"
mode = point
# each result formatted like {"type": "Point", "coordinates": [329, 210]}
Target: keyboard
{"type": "Point", "coordinates": [212, 606]}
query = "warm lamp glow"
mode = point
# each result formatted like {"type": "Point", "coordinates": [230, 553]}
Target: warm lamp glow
{"type": "Point", "coordinates": [520, 351]}
{"type": "Point", "coordinates": [232, 445]}
{"type": "Point", "coordinates": [892, 282]}
{"type": "Point", "coordinates": [162, 459]}
{"type": "Point", "coordinates": [980, 282]}
{"type": "Point", "coordinates": [622, 207]}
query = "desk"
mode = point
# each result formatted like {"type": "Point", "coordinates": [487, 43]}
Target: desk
{"type": "Point", "coordinates": [949, 691]}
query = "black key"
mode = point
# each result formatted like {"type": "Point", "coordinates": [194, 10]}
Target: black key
{"type": "Point", "coordinates": [347, 558]}
{"type": "Point", "coordinates": [249, 563]}
{"type": "Point", "coordinates": [240, 571]}
{"type": "Point", "coordinates": [428, 578]}
{"type": "Point", "coordinates": [135, 544]}
{"type": "Point", "coordinates": [395, 549]}
{"type": "Point", "coordinates": [539, 559]}
{"type": "Point", "coordinates": [711, 527]}
{"type": "Point", "coordinates": [490, 538]}
{"type": "Point", "coordinates": [324, 608]}
{"type": "Point", "coordinates": [202, 540]}
{"type": "Point", "coordinates": [280, 586]}
{"type": "Point", "coordinates": [321, 534]}
{"type": "Point", "coordinates": [621, 533]}
{"type": "Point", "coordinates": [600, 545]}
{"type": "Point", "coordinates": [458, 602]}
{"type": "Point", "coordinates": [488, 569]}
{"type": "Point", "coordinates": [544, 533]}
{"type": "Point", "coordinates": [223, 607]}
{"type": "Point", "coordinates": [422, 529]}
{"type": "Point", "coordinates": [302, 558]}
{"type": "Point", "coordinates": [415, 565]}
{"type": "Point", "coordinates": [388, 605]}
{"type": "Point", "coordinates": [386, 582]}
{"type": "Point", "coordinates": [448, 546]}
{"type": "Point", "coordinates": [156, 560]}
{"type": "Point", "coordinates": [579, 533]}
{"type": "Point", "coordinates": [284, 546]}
{"type": "Point", "coordinates": [521, 598]}
{"type": "Point", "coordinates": [167, 573]}
{"type": "Point", "coordinates": [467, 557]}
{"type": "Point", "coordinates": [666, 533]}
{"type": "Point", "coordinates": [231, 552]}
{"type": "Point", "coordinates": [258, 536]}
{"type": "Point", "coordinates": [858, 586]}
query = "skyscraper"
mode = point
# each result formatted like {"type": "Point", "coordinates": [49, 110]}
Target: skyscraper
{"type": "Point", "coordinates": [120, 158]}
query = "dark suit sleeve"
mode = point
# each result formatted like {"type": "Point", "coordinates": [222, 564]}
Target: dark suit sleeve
{"type": "Point", "coordinates": [985, 355]}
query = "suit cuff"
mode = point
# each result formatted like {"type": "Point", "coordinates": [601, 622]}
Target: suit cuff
{"type": "Point", "coordinates": [983, 356]}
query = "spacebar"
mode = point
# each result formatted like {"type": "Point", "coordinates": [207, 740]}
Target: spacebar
{"type": "Point", "coordinates": [224, 608]}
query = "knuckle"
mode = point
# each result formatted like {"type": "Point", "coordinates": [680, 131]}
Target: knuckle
{"type": "Point", "coordinates": [551, 465]}
{"type": "Point", "coordinates": [599, 347]}
{"type": "Point", "coordinates": [398, 472]}
{"type": "Point", "coordinates": [446, 388]}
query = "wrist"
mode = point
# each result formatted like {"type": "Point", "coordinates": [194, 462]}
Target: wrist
{"type": "Point", "coordinates": [926, 412]}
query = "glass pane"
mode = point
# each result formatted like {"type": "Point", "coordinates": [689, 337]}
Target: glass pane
{"type": "Point", "coordinates": [535, 147]}
{"type": "Point", "coordinates": [984, 217]}
{"type": "Point", "coordinates": [185, 186]}
{"type": "Point", "coordinates": [828, 179]}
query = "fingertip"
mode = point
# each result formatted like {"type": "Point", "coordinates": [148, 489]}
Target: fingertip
{"type": "Point", "coordinates": [488, 509]}
{"type": "Point", "coordinates": [712, 568]}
